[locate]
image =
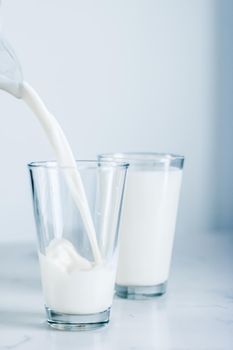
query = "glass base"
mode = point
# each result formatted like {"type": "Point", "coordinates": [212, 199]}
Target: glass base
{"type": "Point", "coordinates": [140, 292]}
{"type": "Point", "coordinates": [69, 322]}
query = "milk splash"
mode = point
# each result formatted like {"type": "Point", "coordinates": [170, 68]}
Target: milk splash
{"type": "Point", "coordinates": [11, 80]}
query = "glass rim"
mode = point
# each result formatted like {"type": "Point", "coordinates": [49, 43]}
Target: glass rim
{"type": "Point", "coordinates": [142, 156]}
{"type": "Point", "coordinates": [93, 163]}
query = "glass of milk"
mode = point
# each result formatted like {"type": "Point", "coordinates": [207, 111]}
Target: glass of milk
{"type": "Point", "coordinates": [148, 222]}
{"type": "Point", "coordinates": [78, 289]}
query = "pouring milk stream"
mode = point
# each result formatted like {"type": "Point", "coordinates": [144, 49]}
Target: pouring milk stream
{"type": "Point", "coordinates": [11, 80]}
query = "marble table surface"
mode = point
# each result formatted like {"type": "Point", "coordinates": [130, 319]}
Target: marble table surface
{"type": "Point", "coordinates": [196, 313]}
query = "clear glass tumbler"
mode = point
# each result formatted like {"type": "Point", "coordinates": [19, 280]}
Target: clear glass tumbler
{"type": "Point", "coordinates": [148, 222]}
{"type": "Point", "coordinates": [78, 291]}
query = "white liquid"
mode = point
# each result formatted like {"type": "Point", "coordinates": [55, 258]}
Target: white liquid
{"type": "Point", "coordinates": [148, 226]}
{"type": "Point", "coordinates": [73, 286]}
{"type": "Point", "coordinates": [65, 158]}
{"type": "Point", "coordinates": [11, 80]}
{"type": "Point", "coordinates": [10, 71]}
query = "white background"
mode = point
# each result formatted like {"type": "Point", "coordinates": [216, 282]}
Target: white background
{"type": "Point", "coordinates": [126, 75]}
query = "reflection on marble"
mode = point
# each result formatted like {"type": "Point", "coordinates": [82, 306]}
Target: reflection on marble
{"type": "Point", "coordinates": [195, 314]}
